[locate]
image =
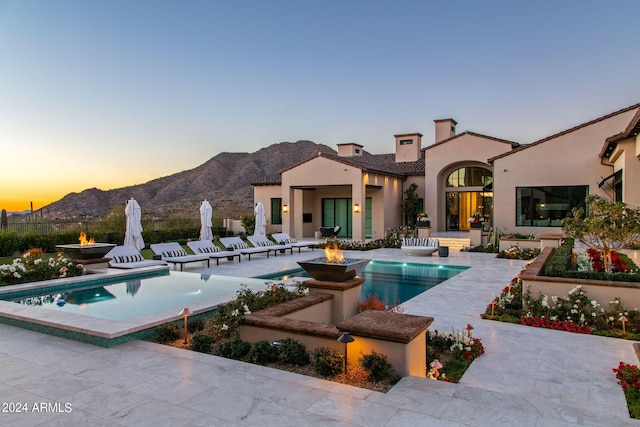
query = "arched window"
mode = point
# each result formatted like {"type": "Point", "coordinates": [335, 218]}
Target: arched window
{"type": "Point", "coordinates": [470, 176]}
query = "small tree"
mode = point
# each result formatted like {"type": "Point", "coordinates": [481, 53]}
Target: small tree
{"type": "Point", "coordinates": [249, 223]}
{"type": "Point", "coordinates": [607, 226]}
{"type": "Point", "coordinates": [4, 221]}
{"type": "Point", "coordinates": [410, 204]}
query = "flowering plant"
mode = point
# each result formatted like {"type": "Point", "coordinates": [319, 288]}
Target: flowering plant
{"type": "Point", "coordinates": [423, 219]}
{"type": "Point", "coordinates": [476, 217]}
{"type": "Point", "coordinates": [454, 350]}
{"type": "Point", "coordinates": [32, 266]}
{"type": "Point", "coordinates": [629, 378]}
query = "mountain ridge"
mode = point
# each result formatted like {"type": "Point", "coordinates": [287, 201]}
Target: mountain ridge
{"type": "Point", "coordinates": [224, 180]}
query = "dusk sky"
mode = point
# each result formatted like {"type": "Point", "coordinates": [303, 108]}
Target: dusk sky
{"type": "Point", "coordinates": [112, 93]}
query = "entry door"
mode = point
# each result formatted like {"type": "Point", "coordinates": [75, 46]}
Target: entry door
{"type": "Point", "coordinates": [337, 212]}
{"type": "Point", "coordinates": [460, 206]}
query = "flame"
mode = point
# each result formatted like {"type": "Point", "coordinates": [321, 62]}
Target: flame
{"type": "Point", "coordinates": [333, 253]}
{"type": "Point", "coordinates": [83, 239]}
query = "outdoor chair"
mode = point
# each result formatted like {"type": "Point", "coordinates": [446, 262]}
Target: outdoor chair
{"type": "Point", "coordinates": [174, 254]}
{"type": "Point", "coordinates": [237, 244]}
{"type": "Point", "coordinates": [419, 246]}
{"type": "Point", "coordinates": [265, 242]}
{"type": "Point", "coordinates": [207, 247]}
{"type": "Point", "coordinates": [285, 239]}
{"type": "Point", "coordinates": [128, 257]}
{"type": "Point", "coordinates": [330, 231]}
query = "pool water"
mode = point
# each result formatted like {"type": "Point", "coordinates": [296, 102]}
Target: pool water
{"type": "Point", "coordinates": [137, 296]}
{"type": "Point", "coordinates": [394, 282]}
{"type": "Point", "coordinates": [128, 299]}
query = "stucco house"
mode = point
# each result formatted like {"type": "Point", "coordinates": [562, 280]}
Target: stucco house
{"type": "Point", "coordinates": [525, 188]}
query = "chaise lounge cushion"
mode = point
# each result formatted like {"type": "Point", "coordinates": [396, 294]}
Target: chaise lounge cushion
{"type": "Point", "coordinates": [207, 247]}
{"type": "Point", "coordinates": [173, 253]}
{"type": "Point", "coordinates": [264, 242]}
{"type": "Point", "coordinates": [285, 239]}
{"type": "Point", "coordinates": [236, 243]}
{"type": "Point", "coordinates": [419, 246]}
{"type": "Point", "coordinates": [128, 257]}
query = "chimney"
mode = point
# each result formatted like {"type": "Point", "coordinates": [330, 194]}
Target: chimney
{"type": "Point", "coordinates": [408, 147]}
{"type": "Point", "coordinates": [445, 129]}
{"type": "Point", "coordinates": [349, 149]}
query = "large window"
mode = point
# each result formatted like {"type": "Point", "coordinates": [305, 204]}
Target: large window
{"type": "Point", "coordinates": [276, 211]}
{"type": "Point", "coordinates": [547, 206]}
{"type": "Point", "coordinates": [617, 186]}
{"type": "Point", "coordinates": [470, 176]}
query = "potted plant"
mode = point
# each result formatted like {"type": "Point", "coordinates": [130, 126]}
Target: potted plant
{"type": "Point", "coordinates": [423, 220]}
{"type": "Point", "coordinates": [476, 220]}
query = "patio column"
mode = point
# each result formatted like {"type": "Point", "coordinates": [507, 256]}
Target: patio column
{"type": "Point", "coordinates": [297, 202]}
{"type": "Point", "coordinates": [287, 217]}
{"type": "Point", "coordinates": [358, 197]}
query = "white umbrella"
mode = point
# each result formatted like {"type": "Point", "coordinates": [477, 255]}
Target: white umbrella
{"type": "Point", "coordinates": [133, 234]}
{"type": "Point", "coordinates": [205, 221]}
{"type": "Point", "coordinates": [261, 221]}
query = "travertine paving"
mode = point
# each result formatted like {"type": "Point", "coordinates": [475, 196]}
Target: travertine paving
{"type": "Point", "coordinates": [528, 376]}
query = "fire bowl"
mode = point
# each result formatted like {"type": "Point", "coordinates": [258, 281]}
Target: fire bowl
{"type": "Point", "coordinates": [77, 251]}
{"type": "Point", "coordinates": [334, 271]}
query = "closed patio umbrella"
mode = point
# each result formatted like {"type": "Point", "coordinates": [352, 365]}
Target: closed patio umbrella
{"type": "Point", "coordinates": [205, 221]}
{"type": "Point", "coordinates": [133, 233]}
{"type": "Point", "coordinates": [261, 221]}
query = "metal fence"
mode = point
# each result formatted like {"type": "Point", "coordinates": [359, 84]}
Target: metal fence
{"type": "Point", "coordinates": [48, 227]}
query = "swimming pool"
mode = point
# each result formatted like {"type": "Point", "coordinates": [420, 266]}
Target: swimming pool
{"type": "Point", "coordinates": [394, 282]}
{"type": "Point", "coordinates": [135, 297]}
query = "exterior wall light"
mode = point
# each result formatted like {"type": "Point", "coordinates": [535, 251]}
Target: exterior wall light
{"type": "Point", "coordinates": [285, 208]}
{"type": "Point", "coordinates": [356, 208]}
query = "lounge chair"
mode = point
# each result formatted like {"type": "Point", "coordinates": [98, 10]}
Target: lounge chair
{"type": "Point", "coordinates": [174, 254]}
{"type": "Point", "coordinates": [285, 239]}
{"type": "Point", "coordinates": [265, 242]}
{"type": "Point", "coordinates": [127, 257]}
{"type": "Point", "coordinates": [420, 246]}
{"type": "Point", "coordinates": [237, 244]}
{"type": "Point", "coordinates": [330, 231]}
{"type": "Point", "coordinates": [207, 247]}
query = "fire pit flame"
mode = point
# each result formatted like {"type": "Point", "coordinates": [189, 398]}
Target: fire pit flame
{"type": "Point", "coordinates": [333, 253]}
{"type": "Point", "coordinates": [83, 239]}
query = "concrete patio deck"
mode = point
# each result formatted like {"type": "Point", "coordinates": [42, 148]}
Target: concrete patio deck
{"type": "Point", "coordinates": [527, 377]}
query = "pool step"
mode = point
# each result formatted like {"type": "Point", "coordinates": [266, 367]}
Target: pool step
{"type": "Point", "coordinates": [454, 243]}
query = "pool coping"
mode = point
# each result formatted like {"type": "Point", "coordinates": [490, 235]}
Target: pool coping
{"type": "Point", "coordinates": [102, 332]}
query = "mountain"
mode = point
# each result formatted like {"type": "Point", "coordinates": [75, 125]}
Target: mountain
{"type": "Point", "coordinates": [225, 180]}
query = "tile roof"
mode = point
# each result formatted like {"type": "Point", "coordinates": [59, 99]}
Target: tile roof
{"type": "Point", "coordinates": [444, 141]}
{"type": "Point", "coordinates": [611, 143]}
{"type": "Point", "coordinates": [376, 163]}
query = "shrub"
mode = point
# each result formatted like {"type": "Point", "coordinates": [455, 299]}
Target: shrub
{"type": "Point", "coordinates": [560, 261]}
{"type": "Point", "coordinates": [293, 352]}
{"type": "Point", "coordinates": [32, 266]}
{"type": "Point", "coordinates": [327, 361]}
{"type": "Point", "coordinates": [262, 353]}
{"type": "Point", "coordinates": [234, 349]}
{"type": "Point", "coordinates": [201, 342]}
{"type": "Point", "coordinates": [167, 333]}
{"type": "Point", "coordinates": [377, 366]}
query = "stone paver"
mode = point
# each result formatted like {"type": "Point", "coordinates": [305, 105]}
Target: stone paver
{"type": "Point", "coordinates": [528, 376]}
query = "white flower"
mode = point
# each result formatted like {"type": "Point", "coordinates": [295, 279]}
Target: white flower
{"type": "Point", "coordinates": [545, 302]}
{"type": "Point", "coordinates": [17, 275]}
{"type": "Point", "coordinates": [225, 327]}
{"type": "Point", "coordinates": [38, 261]}
{"type": "Point", "coordinates": [246, 309]}
{"type": "Point", "coordinates": [235, 312]}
